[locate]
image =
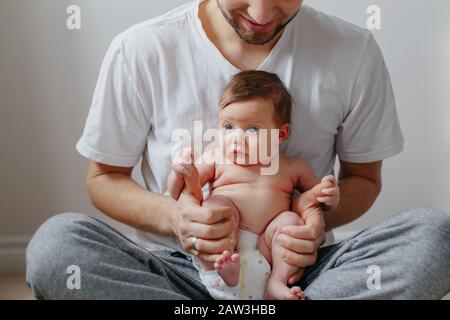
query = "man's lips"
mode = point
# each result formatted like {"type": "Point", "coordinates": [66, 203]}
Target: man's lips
{"type": "Point", "coordinates": [257, 27]}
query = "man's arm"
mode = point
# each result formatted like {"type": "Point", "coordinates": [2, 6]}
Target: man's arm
{"type": "Point", "coordinates": [360, 185]}
{"type": "Point", "coordinates": [113, 191]}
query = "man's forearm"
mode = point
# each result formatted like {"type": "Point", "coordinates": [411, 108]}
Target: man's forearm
{"type": "Point", "coordinates": [357, 196]}
{"type": "Point", "coordinates": [121, 198]}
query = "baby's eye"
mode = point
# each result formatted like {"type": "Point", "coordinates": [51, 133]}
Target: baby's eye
{"type": "Point", "coordinates": [253, 129]}
{"type": "Point", "coordinates": [227, 126]}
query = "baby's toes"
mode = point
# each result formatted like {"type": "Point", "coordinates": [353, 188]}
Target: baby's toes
{"type": "Point", "coordinates": [301, 295]}
{"type": "Point", "coordinates": [226, 254]}
{"type": "Point", "coordinates": [235, 258]}
{"type": "Point", "coordinates": [220, 260]}
{"type": "Point", "coordinates": [297, 293]}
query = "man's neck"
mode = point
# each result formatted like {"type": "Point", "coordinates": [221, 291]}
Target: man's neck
{"type": "Point", "coordinates": [241, 54]}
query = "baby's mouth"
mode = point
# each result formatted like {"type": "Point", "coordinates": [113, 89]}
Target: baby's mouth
{"type": "Point", "coordinates": [238, 151]}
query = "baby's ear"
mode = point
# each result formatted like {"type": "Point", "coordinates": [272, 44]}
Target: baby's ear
{"type": "Point", "coordinates": [283, 134]}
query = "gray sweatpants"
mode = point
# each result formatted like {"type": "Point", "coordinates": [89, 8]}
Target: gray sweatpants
{"type": "Point", "coordinates": [405, 257]}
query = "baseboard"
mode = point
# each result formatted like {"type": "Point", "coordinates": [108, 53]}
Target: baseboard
{"type": "Point", "coordinates": [12, 254]}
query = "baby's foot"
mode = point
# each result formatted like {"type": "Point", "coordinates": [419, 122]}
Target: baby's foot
{"type": "Point", "coordinates": [228, 267]}
{"type": "Point", "coordinates": [277, 290]}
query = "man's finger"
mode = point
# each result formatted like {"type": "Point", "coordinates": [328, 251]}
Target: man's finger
{"type": "Point", "coordinates": [211, 215]}
{"type": "Point", "coordinates": [209, 257]}
{"type": "Point", "coordinates": [299, 260]}
{"type": "Point", "coordinates": [214, 246]}
{"type": "Point", "coordinates": [298, 232]}
{"type": "Point", "coordinates": [215, 231]}
{"type": "Point", "coordinates": [300, 246]}
{"type": "Point", "coordinates": [313, 228]}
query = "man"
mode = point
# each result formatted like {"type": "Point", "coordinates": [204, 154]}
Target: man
{"type": "Point", "coordinates": [168, 72]}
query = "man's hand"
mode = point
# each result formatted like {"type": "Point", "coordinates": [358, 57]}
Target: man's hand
{"type": "Point", "coordinates": [303, 242]}
{"type": "Point", "coordinates": [214, 228]}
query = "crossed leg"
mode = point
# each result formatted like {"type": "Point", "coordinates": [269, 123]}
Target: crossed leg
{"type": "Point", "coordinates": [277, 288]}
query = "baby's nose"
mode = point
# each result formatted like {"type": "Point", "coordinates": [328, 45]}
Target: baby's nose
{"type": "Point", "coordinates": [238, 136]}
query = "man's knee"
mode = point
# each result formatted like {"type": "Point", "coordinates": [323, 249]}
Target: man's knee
{"type": "Point", "coordinates": [49, 248]}
{"type": "Point", "coordinates": [429, 250]}
{"type": "Point", "coordinates": [431, 222]}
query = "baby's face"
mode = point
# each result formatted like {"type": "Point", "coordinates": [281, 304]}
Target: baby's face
{"type": "Point", "coordinates": [241, 122]}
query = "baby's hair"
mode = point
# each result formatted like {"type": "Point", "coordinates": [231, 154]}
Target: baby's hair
{"type": "Point", "coordinates": [259, 84]}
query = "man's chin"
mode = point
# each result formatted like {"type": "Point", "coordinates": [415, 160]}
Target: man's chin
{"type": "Point", "coordinates": [256, 38]}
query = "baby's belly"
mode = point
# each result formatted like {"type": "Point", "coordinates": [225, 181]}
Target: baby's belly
{"type": "Point", "coordinates": [257, 205]}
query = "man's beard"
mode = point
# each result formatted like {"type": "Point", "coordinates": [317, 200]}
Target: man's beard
{"type": "Point", "coordinates": [255, 38]}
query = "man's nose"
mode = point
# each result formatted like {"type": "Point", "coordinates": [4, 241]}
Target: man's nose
{"type": "Point", "coordinates": [261, 11]}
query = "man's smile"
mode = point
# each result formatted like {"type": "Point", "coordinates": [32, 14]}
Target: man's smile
{"type": "Point", "coordinates": [255, 26]}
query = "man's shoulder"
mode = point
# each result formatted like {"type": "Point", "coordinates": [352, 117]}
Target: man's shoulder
{"type": "Point", "coordinates": [332, 38]}
{"type": "Point", "coordinates": [327, 24]}
{"type": "Point", "coordinates": [155, 31]}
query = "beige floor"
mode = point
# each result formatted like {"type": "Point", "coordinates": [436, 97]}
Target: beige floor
{"type": "Point", "coordinates": [14, 288]}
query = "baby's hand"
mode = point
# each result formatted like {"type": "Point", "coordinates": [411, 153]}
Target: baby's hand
{"type": "Point", "coordinates": [183, 162]}
{"type": "Point", "coordinates": [328, 192]}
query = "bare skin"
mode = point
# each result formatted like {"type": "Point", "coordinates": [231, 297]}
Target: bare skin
{"type": "Point", "coordinates": [243, 188]}
{"type": "Point", "coordinates": [113, 191]}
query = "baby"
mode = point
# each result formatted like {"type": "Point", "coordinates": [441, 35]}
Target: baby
{"type": "Point", "coordinates": [252, 101]}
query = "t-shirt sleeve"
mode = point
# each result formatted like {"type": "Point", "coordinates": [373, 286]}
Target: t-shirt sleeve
{"type": "Point", "coordinates": [117, 126]}
{"type": "Point", "coordinates": [371, 129]}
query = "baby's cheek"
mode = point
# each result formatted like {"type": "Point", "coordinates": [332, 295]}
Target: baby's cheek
{"type": "Point", "coordinates": [253, 145]}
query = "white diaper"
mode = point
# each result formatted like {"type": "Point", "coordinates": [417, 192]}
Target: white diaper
{"type": "Point", "coordinates": [255, 271]}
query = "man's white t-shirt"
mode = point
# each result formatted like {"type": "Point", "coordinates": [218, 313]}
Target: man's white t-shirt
{"type": "Point", "coordinates": [164, 74]}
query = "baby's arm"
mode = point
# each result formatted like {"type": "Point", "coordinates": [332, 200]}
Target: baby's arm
{"type": "Point", "coordinates": [323, 192]}
{"type": "Point", "coordinates": [188, 175]}
{"type": "Point", "coordinates": [175, 184]}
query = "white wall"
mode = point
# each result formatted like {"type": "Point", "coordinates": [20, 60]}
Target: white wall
{"type": "Point", "coordinates": [48, 73]}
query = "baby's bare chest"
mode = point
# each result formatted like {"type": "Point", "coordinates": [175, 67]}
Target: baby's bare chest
{"type": "Point", "coordinates": [227, 175]}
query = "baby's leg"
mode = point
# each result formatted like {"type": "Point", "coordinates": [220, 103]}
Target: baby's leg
{"type": "Point", "coordinates": [228, 264]}
{"type": "Point", "coordinates": [277, 288]}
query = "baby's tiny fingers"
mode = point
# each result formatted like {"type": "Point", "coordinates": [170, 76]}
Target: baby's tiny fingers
{"type": "Point", "coordinates": [330, 191]}
{"type": "Point", "coordinates": [325, 200]}
{"type": "Point", "coordinates": [330, 179]}
{"type": "Point", "coordinates": [180, 169]}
